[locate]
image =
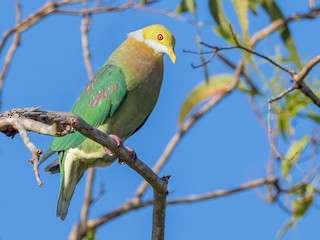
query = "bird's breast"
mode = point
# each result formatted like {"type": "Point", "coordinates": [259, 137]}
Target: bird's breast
{"type": "Point", "coordinates": [143, 70]}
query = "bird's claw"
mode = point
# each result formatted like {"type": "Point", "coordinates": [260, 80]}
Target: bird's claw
{"type": "Point", "coordinates": [133, 156]}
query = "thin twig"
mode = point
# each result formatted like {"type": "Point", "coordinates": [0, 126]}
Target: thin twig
{"type": "Point", "coordinates": [312, 4]}
{"type": "Point", "coordinates": [221, 193]}
{"type": "Point", "coordinates": [270, 135]}
{"type": "Point", "coordinates": [85, 24]}
{"type": "Point", "coordinates": [291, 72]}
{"type": "Point", "coordinates": [299, 77]}
{"type": "Point", "coordinates": [285, 92]}
{"type": "Point", "coordinates": [11, 51]}
{"type": "Point", "coordinates": [258, 112]}
{"type": "Point", "coordinates": [199, 40]}
{"type": "Point", "coordinates": [167, 13]}
{"type": "Point", "coordinates": [278, 24]}
{"type": "Point", "coordinates": [96, 9]}
{"type": "Point", "coordinates": [82, 228]}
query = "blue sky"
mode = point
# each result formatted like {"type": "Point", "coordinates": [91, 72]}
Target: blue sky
{"type": "Point", "coordinates": [225, 148]}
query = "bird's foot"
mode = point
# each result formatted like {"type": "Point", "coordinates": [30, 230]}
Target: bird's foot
{"type": "Point", "coordinates": [118, 141]}
{"type": "Point", "coordinates": [133, 156]}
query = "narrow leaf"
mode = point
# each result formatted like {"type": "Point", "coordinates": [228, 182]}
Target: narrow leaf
{"type": "Point", "coordinates": [253, 5]}
{"type": "Point", "coordinates": [293, 154]}
{"type": "Point", "coordinates": [186, 6]}
{"type": "Point", "coordinates": [285, 228]}
{"type": "Point", "coordinates": [218, 15]}
{"type": "Point", "coordinates": [205, 90]}
{"type": "Point", "coordinates": [299, 207]}
{"type": "Point", "coordinates": [241, 7]}
{"type": "Point", "coordinates": [275, 13]}
{"type": "Point", "coordinates": [313, 116]}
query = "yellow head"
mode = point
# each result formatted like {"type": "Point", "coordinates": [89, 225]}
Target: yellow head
{"type": "Point", "coordinates": [157, 37]}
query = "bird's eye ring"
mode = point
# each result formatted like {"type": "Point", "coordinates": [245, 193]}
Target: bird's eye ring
{"type": "Point", "coordinates": [160, 37]}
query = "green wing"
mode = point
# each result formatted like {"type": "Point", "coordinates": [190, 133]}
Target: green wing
{"type": "Point", "coordinates": [98, 101]}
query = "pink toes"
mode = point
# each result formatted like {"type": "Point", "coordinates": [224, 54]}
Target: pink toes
{"type": "Point", "coordinates": [116, 139]}
{"type": "Point", "coordinates": [119, 142]}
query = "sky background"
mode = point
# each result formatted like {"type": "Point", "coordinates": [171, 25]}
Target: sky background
{"type": "Point", "coordinates": [225, 148]}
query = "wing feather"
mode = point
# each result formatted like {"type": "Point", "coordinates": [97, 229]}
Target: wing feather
{"type": "Point", "coordinates": [100, 99]}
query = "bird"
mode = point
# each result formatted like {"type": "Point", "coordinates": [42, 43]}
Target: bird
{"type": "Point", "coordinates": [117, 101]}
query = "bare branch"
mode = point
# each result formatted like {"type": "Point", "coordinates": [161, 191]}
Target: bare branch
{"type": "Point", "coordinates": [85, 24]}
{"type": "Point", "coordinates": [304, 88]}
{"type": "Point", "coordinates": [299, 77]}
{"type": "Point", "coordinates": [276, 25]}
{"type": "Point", "coordinates": [11, 50]}
{"type": "Point", "coordinates": [159, 211]}
{"type": "Point", "coordinates": [270, 134]}
{"type": "Point", "coordinates": [219, 193]}
{"type": "Point", "coordinates": [96, 9]}
{"type": "Point", "coordinates": [167, 13]}
{"type": "Point", "coordinates": [281, 95]}
{"type": "Point", "coordinates": [86, 204]}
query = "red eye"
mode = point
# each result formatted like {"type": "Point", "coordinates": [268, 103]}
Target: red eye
{"type": "Point", "coordinates": [160, 37]}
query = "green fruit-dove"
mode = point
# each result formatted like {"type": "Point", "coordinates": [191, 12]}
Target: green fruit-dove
{"type": "Point", "coordinates": [117, 101]}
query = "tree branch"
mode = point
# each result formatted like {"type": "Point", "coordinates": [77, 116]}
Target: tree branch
{"type": "Point", "coordinates": [220, 193]}
{"type": "Point", "coordinates": [14, 119]}
{"type": "Point", "coordinates": [276, 25]}
{"type": "Point", "coordinates": [84, 29]}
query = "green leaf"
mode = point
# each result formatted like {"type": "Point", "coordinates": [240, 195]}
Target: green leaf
{"type": "Point", "coordinates": [300, 191]}
{"type": "Point", "coordinates": [293, 155]}
{"type": "Point", "coordinates": [186, 6]}
{"type": "Point", "coordinates": [253, 6]}
{"type": "Point", "coordinates": [217, 12]}
{"type": "Point", "coordinates": [274, 12]}
{"type": "Point", "coordinates": [241, 7]}
{"type": "Point", "coordinates": [284, 124]}
{"type": "Point", "coordinates": [301, 205]}
{"type": "Point", "coordinates": [298, 208]}
{"type": "Point", "coordinates": [291, 106]}
{"type": "Point", "coordinates": [214, 87]}
{"type": "Point", "coordinates": [143, 2]}
{"type": "Point", "coordinates": [286, 227]}
{"type": "Point", "coordinates": [313, 116]}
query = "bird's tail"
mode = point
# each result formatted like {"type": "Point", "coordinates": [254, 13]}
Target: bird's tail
{"type": "Point", "coordinates": [53, 167]}
{"type": "Point", "coordinates": [69, 178]}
